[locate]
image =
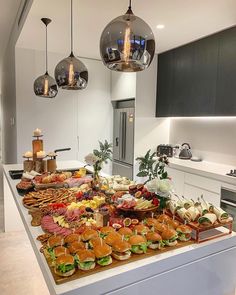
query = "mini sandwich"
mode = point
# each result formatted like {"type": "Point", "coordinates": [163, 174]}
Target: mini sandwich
{"type": "Point", "coordinates": [53, 242]}
{"type": "Point", "coordinates": [105, 230]}
{"type": "Point", "coordinates": [184, 233]}
{"type": "Point", "coordinates": [160, 227]}
{"type": "Point", "coordinates": [140, 229]}
{"type": "Point", "coordinates": [173, 223]}
{"type": "Point", "coordinates": [138, 244]}
{"type": "Point", "coordinates": [89, 234]}
{"type": "Point", "coordinates": [121, 250]}
{"type": "Point", "coordinates": [163, 218]}
{"type": "Point", "coordinates": [103, 254]}
{"type": "Point", "coordinates": [151, 221]}
{"type": "Point", "coordinates": [126, 232]}
{"type": "Point", "coordinates": [169, 237]}
{"type": "Point", "coordinates": [64, 265]}
{"type": "Point", "coordinates": [154, 240]}
{"type": "Point", "coordinates": [111, 238]}
{"type": "Point", "coordinates": [76, 246]}
{"type": "Point", "coordinates": [85, 259]}
{"type": "Point", "coordinates": [72, 238]}
{"type": "Point", "coordinates": [95, 242]}
{"type": "Point", "coordinates": [60, 250]}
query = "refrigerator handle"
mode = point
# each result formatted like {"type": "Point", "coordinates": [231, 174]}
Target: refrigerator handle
{"type": "Point", "coordinates": [123, 135]}
{"type": "Point", "coordinates": [117, 141]}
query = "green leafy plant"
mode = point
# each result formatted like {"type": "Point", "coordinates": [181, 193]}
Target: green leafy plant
{"type": "Point", "coordinates": [151, 167]}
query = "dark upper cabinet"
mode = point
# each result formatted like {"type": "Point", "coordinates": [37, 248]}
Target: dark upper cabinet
{"type": "Point", "coordinates": [226, 82]}
{"type": "Point", "coordinates": [198, 79]}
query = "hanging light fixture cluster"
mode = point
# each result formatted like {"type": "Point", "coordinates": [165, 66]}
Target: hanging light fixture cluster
{"type": "Point", "coordinates": [45, 86]}
{"type": "Point", "coordinates": [127, 44]}
{"type": "Point", "coordinates": [70, 73]}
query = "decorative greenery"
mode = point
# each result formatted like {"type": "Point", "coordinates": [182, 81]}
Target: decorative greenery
{"type": "Point", "coordinates": [151, 167]}
{"type": "Point", "coordinates": [98, 157]}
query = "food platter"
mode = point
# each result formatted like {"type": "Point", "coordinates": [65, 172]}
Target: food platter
{"type": "Point", "coordinates": [135, 257]}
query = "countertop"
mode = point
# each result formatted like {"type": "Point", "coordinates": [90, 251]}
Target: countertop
{"type": "Point", "coordinates": [120, 276]}
{"type": "Point", "coordinates": [204, 168]}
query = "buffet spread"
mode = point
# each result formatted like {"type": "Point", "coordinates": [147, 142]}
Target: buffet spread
{"type": "Point", "coordinates": [91, 223]}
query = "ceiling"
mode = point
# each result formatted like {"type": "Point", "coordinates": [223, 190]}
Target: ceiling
{"type": "Point", "coordinates": [8, 12]}
{"type": "Point", "coordinates": [184, 20]}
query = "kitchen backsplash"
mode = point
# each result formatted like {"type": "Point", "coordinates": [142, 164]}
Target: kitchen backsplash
{"type": "Point", "coordinates": [214, 139]}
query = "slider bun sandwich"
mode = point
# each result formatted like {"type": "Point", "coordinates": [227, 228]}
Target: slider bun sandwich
{"type": "Point", "coordinates": [64, 265]}
{"type": "Point", "coordinates": [151, 221]}
{"type": "Point", "coordinates": [126, 232]}
{"type": "Point", "coordinates": [53, 242]}
{"type": "Point", "coordinates": [111, 238]}
{"type": "Point", "coordinates": [72, 238]}
{"type": "Point", "coordinates": [163, 218]}
{"type": "Point", "coordinates": [184, 233]}
{"type": "Point", "coordinates": [75, 246]}
{"type": "Point", "coordinates": [140, 229]}
{"type": "Point", "coordinates": [160, 227]}
{"type": "Point", "coordinates": [88, 234]}
{"type": "Point", "coordinates": [138, 244]}
{"type": "Point", "coordinates": [154, 240]}
{"type": "Point", "coordinates": [103, 254]}
{"type": "Point", "coordinates": [169, 237]}
{"type": "Point", "coordinates": [95, 242]}
{"type": "Point", "coordinates": [105, 230]}
{"type": "Point", "coordinates": [85, 259]}
{"type": "Point", "coordinates": [173, 223]}
{"type": "Point", "coordinates": [121, 250]}
{"type": "Point", "coordinates": [60, 250]}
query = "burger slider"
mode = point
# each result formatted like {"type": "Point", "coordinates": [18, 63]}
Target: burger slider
{"type": "Point", "coordinates": [169, 237]}
{"type": "Point", "coordinates": [75, 246]}
{"type": "Point", "coordinates": [140, 229]}
{"type": "Point", "coordinates": [163, 218]}
{"type": "Point", "coordinates": [102, 253]}
{"type": "Point", "coordinates": [126, 232]}
{"type": "Point", "coordinates": [121, 250]}
{"type": "Point", "coordinates": [64, 265]}
{"type": "Point", "coordinates": [160, 227]}
{"type": "Point", "coordinates": [111, 238]}
{"type": "Point", "coordinates": [173, 223]}
{"type": "Point", "coordinates": [72, 238]}
{"type": "Point", "coordinates": [184, 233]}
{"type": "Point", "coordinates": [151, 222]}
{"type": "Point", "coordinates": [85, 259]}
{"type": "Point", "coordinates": [154, 240]}
{"type": "Point", "coordinates": [105, 230]}
{"type": "Point", "coordinates": [53, 242]}
{"type": "Point", "coordinates": [88, 234]}
{"type": "Point", "coordinates": [95, 242]}
{"type": "Point", "coordinates": [138, 244]}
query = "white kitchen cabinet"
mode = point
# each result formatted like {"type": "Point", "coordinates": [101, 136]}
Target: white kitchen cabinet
{"type": "Point", "coordinates": [193, 192]}
{"type": "Point", "coordinates": [123, 85]}
{"type": "Point", "coordinates": [178, 180]}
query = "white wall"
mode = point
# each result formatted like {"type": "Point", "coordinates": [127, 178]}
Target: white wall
{"type": "Point", "coordinates": [149, 130]}
{"type": "Point", "coordinates": [214, 139]}
{"type": "Point", "coordinates": [87, 113]}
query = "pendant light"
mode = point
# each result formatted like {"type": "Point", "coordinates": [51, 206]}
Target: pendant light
{"type": "Point", "coordinates": [45, 86]}
{"type": "Point", "coordinates": [127, 43]}
{"type": "Point", "coordinates": [71, 73]}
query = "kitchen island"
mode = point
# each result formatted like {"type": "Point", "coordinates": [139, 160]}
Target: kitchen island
{"type": "Point", "coordinates": [207, 268]}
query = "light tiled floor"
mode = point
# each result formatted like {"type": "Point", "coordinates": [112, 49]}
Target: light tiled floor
{"type": "Point", "coordinates": [19, 271]}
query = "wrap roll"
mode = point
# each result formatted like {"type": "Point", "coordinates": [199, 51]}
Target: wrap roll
{"type": "Point", "coordinates": [193, 212]}
{"type": "Point", "coordinates": [173, 206]}
{"type": "Point", "coordinates": [221, 215]}
{"type": "Point", "coordinates": [184, 214]}
{"type": "Point", "coordinates": [207, 219]}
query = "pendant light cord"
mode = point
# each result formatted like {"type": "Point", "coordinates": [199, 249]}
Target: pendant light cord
{"type": "Point", "coordinates": [46, 49]}
{"type": "Point", "coordinates": [129, 4]}
{"type": "Point", "coordinates": [71, 17]}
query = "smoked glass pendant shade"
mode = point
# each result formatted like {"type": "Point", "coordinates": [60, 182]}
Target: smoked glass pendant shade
{"type": "Point", "coordinates": [45, 86]}
{"type": "Point", "coordinates": [71, 74]}
{"type": "Point", "coordinates": [127, 44]}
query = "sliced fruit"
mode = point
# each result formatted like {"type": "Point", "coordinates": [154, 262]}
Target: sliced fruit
{"type": "Point", "coordinates": [127, 221]}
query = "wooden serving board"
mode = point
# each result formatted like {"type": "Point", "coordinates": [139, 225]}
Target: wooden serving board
{"type": "Point", "coordinates": [134, 257]}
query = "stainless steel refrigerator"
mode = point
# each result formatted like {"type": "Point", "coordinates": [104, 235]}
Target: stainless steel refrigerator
{"type": "Point", "coordinates": [123, 142]}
